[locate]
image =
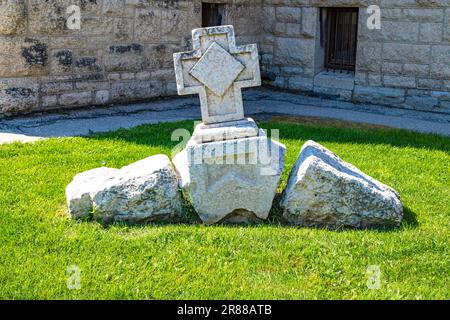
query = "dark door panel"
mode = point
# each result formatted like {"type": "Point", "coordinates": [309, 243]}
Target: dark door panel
{"type": "Point", "coordinates": [342, 33]}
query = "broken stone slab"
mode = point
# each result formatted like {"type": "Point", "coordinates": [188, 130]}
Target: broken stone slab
{"type": "Point", "coordinates": [325, 191]}
{"type": "Point", "coordinates": [146, 190]}
{"type": "Point", "coordinates": [225, 131]}
{"type": "Point", "coordinates": [231, 181]}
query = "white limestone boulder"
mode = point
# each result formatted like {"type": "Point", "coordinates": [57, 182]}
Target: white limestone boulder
{"type": "Point", "coordinates": [146, 190]}
{"type": "Point", "coordinates": [231, 181]}
{"type": "Point", "coordinates": [325, 191]}
{"type": "Point", "coordinates": [79, 192]}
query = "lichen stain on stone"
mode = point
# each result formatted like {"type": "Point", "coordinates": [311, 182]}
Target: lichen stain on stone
{"type": "Point", "coordinates": [147, 15]}
{"type": "Point", "coordinates": [86, 3]}
{"type": "Point", "coordinates": [20, 92]}
{"type": "Point", "coordinates": [89, 63]}
{"type": "Point", "coordinates": [88, 77]}
{"type": "Point", "coordinates": [13, 15]}
{"type": "Point", "coordinates": [168, 4]}
{"type": "Point", "coordinates": [86, 62]}
{"type": "Point", "coordinates": [135, 48]}
{"type": "Point", "coordinates": [65, 57]}
{"type": "Point", "coordinates": [160, 48]}
{"type": "Point", "coordinates": [35, 54]}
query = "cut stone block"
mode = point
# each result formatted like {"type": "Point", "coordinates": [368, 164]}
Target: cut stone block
{"type": "Point", "coordinates": [146, 190]}
{"type": "Point", "coordinates": [325, 191]}
{"type": "Point", "coordinates": [225, 131]}
{"type": "Point", "coordinates": [231, 181]}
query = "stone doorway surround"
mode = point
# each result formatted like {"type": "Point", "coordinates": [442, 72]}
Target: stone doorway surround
{"type": "Point", "coordinates": [329, 82]}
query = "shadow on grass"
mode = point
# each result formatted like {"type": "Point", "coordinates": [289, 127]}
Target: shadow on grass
{"type": "Point", "coordinates": [159, 135]}
{"type": "Point", "coordinates": [409, 218]}
{"type": "Point", "coordinates": [275, 219]}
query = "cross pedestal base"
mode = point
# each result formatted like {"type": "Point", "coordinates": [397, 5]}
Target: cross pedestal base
{"type": "Point", "coordinates": [230, 130]}
{"type": "Point", "coordinates": [233, 180]}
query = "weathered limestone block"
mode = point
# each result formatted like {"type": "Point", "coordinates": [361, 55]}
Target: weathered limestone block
{"type": "Point", "coordinates": [291, 51]}
{"type": "Point", "coordinates": [48, 17]}
{"type": "Point", "coordinates": [231, 181]}
{"type": "Point", "coordinates": [160, 56]}
{"type": "Point", "coordinates": [147, 24]}
{"type": "Point", "coordinates": [369, 56]}
{"type": "Point", "coordinates": [67, 61]}
{"type": "Point", "coordinates": [130, 57]}
{"type": "Point", "coordinates": [300, 83]}
{"type": "Point", "coordinates": [399, 81]}
{"type": "Point", "coordinates": [409, 53]}
{"type": "Point", "coordinates": [423, 14]}
{"type": "Point", "coordinates": [269, 18]}
{"type": "Point", "coordinates": [393, 31]}
{"type": "Point", "coordinates": [413, 69]}
{"type": "Point", "coordinates": [113, 7]}
{"type": "Point", "coordinates": [94, 26]}
{"type": "Point", "coordinates": [391, 14]}
{"type": "Point", "coordinates": [19, 95]}
{"type": "Point", "coordinates": [61, 61]}
{"type": "Point", "coordinates": [246, 20]}
{"type": "Point", "coordinates": [385, 96]}
{"type": "Point", "coordinates": [325, 3]}
{"type": "Point", "coordinates": [429, 83]}
{"type": "Point", "coordinates": [440, 58]}
{"type": "Point", "coordinates": [12, 17]}
{"type": "Point", "coordinates": [56, 87]}
{"type": "Point", "coordinates": [75, 99]}
{"type": "Point", "coordinates": [136, 90]}
{"type": "Point", "coordinates": [101, 97]}
{"type": "Point", "coordinates": [146, 190]}
{"type": "Point", "coordinates": [90, 6]}
{"type": "Point", "coordinates": [309, 22]}
{"type": "Point", "coordinates": [444, 106]}
{"type": "Point", "coordinates": [288, 14]}
{"type": "Point", "coordinates": [23, 56]}
{"type": "Point", "coordinates": [431, 32]}
{"type": "Point", "coordinates": [175, 24]}
{"type": "Point", "coordinates": [325, 191]}
{"type": "Point", "coordinates": [123, 29]}
{"type": "Point", "coordinates": [422, 103]}
{"type": "Point", "coordinates": [447, 26]}
{"type": "Point", "coordinates": [49, 102]}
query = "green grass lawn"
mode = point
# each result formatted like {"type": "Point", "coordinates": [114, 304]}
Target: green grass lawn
{"type": "Point", "coordinates": [191, 261]}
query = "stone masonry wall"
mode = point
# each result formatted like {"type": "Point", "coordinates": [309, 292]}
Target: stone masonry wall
{"type": "Point", "coordinates": [122, 53]}
{"type": "Point", "coordinates": [405, 64]}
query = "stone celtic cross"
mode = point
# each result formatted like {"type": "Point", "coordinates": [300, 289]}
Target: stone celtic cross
{"type": "Point", "coordinates": [217, 70]}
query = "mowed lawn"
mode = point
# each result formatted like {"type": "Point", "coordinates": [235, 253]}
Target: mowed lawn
{"type": "Point", "coordinates": [38, 241]}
